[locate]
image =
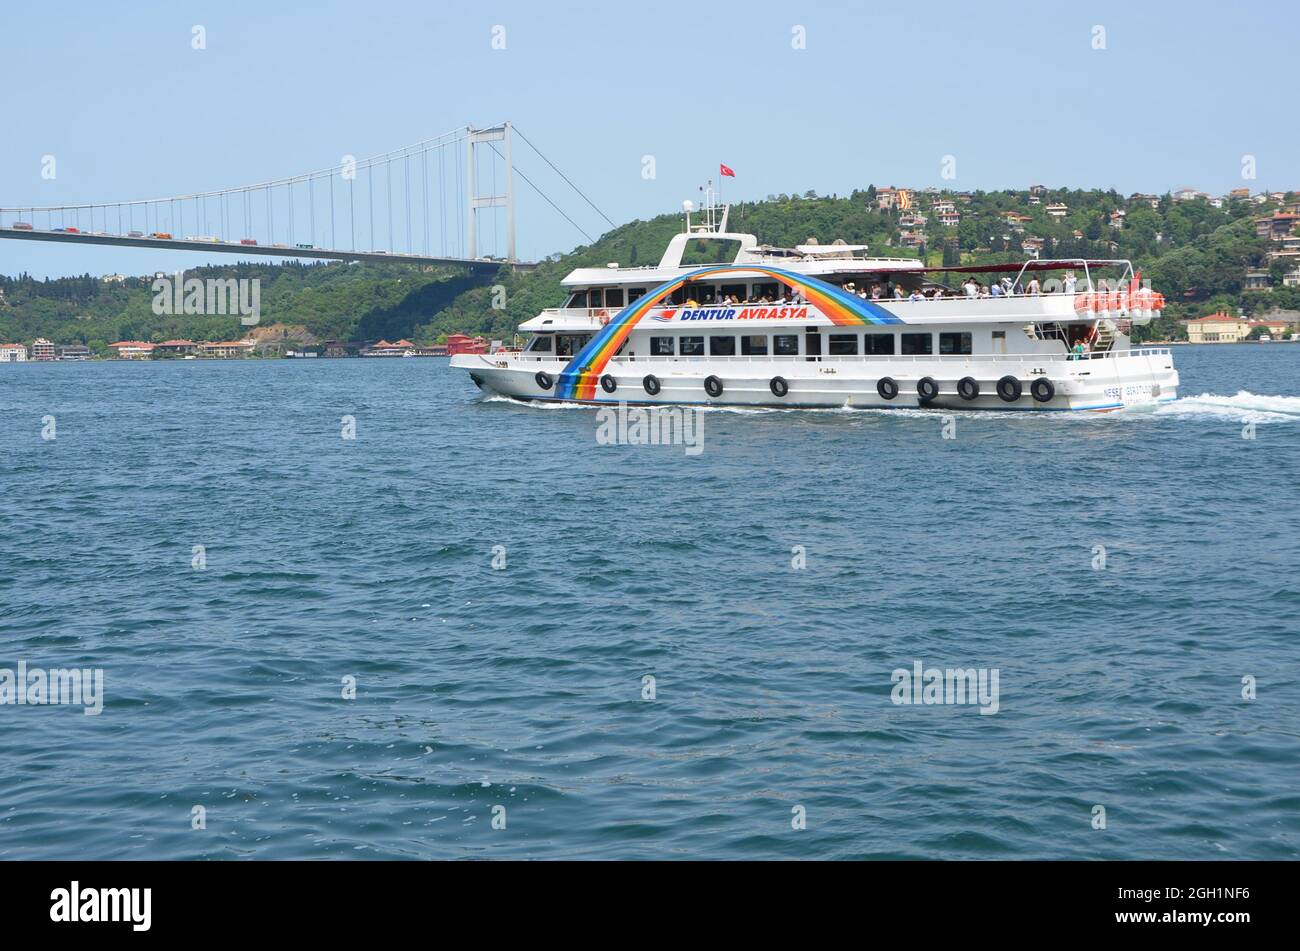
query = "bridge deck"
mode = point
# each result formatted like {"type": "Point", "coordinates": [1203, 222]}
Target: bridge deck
{"type": "Point", "coordinates": [278, 251]}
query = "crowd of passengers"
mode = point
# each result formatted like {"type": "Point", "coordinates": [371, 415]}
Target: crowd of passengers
{"type": "Point", "coordinates": [971, 287]}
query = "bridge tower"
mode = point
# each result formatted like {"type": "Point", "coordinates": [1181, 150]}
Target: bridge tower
{"type": "Point", "coordinates": [475, 137]}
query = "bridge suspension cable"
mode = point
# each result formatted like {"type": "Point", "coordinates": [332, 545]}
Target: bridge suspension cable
{"type": "Point", "coordinates": [268, 217]}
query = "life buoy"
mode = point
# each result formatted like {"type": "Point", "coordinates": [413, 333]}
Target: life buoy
{"type": "Point", "coordinates": [968, 388]}
{"type": "Point", "coordinates": [778, 386]}
{"type": "Point", "coordinates": [608, 383]}
{"type": "Point", "coordinates": [887, 387]}
{"type": "Point", "coordinates": [713, 386]}
{"type": "Point", "coordinates": [651, 384]}
{"type": "Point", "coordinates": [1083, 303]}
{"type": "Point", "coordinates": [1009, 389]}
{"type": "Point", "coordinates": [1042, 389]}
{"type": "Point", "coordinates": [927, 389]}
{"type": "Point", "coordinates": [603, 317]}
{"type": "Point", "coordinates": [544, 379]}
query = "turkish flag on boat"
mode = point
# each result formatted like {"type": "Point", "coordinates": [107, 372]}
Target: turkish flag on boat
{"type": "Point", "coordinates": [726, 172]}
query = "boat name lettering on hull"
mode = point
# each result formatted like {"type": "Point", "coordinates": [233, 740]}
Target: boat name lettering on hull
{"type": "Point", "coordinates": [744, 313]}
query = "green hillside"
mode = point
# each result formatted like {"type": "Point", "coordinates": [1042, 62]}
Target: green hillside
{"type": "Point", "coordinates": [1194, 253]}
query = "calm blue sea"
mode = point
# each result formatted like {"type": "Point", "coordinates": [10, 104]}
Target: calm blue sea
{"type": "Point", "coordinates": [523, 687]}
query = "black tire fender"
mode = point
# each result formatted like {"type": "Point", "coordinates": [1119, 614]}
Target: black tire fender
{"type": "Point", "coordinates": [713, 386]}
{"type": "Point", "coordinates": [927, 389]}
{"type": "Point", "coordinates": [608, 383]}
{"type": "Point", "coordinates": [1042, 389]}
{"type": "Point", "coordinates": [544, 380]}
{"type": "Point", "coordinates": [887, 387]}
{"type": "Point", "coordinates": [778, 386]}
{"type": "Point", "coordinates": [968, 388]}
{"type": "Point", "coordinates": [1009, 389]}
{"type": "Point", "coordinates": [651, 384]}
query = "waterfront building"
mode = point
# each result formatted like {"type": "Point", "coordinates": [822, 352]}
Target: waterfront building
{"type": "Point", "coordinates": [13, 353]}
{"type": "Point", "coordinates": [132, 349]}
{"type": "Point", "coordinates": [402, 348]}
{"type": "Point", "coordinates": [74, 352]}
{"type": "Point", "coordinates": [43, 349]}
{"type": "Point", "coordinates": [462, 343]}
{"type": "Point", "coordinates": [226, 350]}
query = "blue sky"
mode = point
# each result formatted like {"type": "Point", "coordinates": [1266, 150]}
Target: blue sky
{"type": "Point", "coordinates": [1014, 92]}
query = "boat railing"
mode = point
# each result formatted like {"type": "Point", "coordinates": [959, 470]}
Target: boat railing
{"type": "Point", "coordinates": [1140, 353]}
{"type": "Point", "coordinates": [601, 315]}
{"type": "Point", "coordinates": [1135, 352]}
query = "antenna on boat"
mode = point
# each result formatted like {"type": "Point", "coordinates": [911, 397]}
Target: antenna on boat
{"type": "Point", "coordinates": [688, 206]}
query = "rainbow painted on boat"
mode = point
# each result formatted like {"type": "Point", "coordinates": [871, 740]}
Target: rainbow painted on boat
{"type": "Point", "coordinates": [577, 381]}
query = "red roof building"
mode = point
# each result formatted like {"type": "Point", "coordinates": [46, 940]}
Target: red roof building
{"type": "Point", "coordinates": [462, 343]}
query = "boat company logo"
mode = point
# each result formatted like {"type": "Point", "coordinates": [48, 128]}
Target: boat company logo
{"type": "Point", "coordinates": [77, 904]}
{"type": "Point", "coordinates": [173, 294]}
{"type": "Point", "coordinates": [746, 313]}
{"type": "Point", "coordinates": [952, 685]}
{"type": "Point", "coordinates": [651, 426]}
{"type": "Point", "coordinates": [34, 686]}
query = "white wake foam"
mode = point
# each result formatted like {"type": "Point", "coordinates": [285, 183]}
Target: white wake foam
{"type": "Point", "coordinates": [1244, 406]}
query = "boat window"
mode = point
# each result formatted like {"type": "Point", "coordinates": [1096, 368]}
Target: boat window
{"type": "Point", "coordinates": [842, 345]}
{"type": "Point", "coordinates": [753, 345]}
{"type": "Point", "coordinates": [540, 344]}
{"type": "Point", "coordinates": [785, 345]}
{"type": "Point", "coordinates": [812, 343]}
{"type": "Point", "coordinates": [878, 344]}
{"type": "Point", "coordinates": [738, 291]}
{"type": "Point", "coordinates": [690, 346]}
{"type": "Point", "coordinates": [635, 293]}
{"type": "Point", "coordinates": [578, 299]}
{"type": "Point", "coordinates": [678, 296]}
{"type": "Point", "coordinates": [705, 295]}
{"type": "Point", "coordinates": [955, 343]}
{"type": "Point", "coordinates": [566, 345]}
{"type": "Point", "coordinates": [661, 346]}
{"type": "Point", "coordinates": [770, 290]}
{"type": "Point", "coordinates": [594, 298]}
{"type": "Point", "coordinates": [722, 345]}
{"type": "Point", "coordinates": [614, 297]}
{"type": "Point", "coordinates": [918, 343]}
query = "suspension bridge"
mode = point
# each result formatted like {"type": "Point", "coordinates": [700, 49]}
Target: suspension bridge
{"type": "Point", "coordinates": [418, 205]}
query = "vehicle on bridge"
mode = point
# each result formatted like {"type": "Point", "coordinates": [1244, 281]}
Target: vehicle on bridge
{"type": "Point", "coordinates": [135, 234]}
{"type": "Point", "coordinates": [161, 235]}
{"type": "Point", "coordinates": [21, 226]}
{"type": "Point", "coordinates": [248, 241]}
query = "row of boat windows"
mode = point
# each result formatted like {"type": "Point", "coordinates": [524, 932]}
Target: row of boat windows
{"type": "Point", "coordinates": [837, 344]}
{"type": "Point", "coordinates": [781, 345]}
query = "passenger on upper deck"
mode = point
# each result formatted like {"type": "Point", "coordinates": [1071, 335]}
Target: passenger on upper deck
{"type": "Point", "coordinates": [1069, 282]}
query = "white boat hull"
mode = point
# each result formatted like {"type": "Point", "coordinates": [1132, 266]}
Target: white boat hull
{"type": "Point", "coordinates": [1100, 383]}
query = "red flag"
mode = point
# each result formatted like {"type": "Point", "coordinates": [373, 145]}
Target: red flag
{"type": "Point", "coordinates": [726, 172]}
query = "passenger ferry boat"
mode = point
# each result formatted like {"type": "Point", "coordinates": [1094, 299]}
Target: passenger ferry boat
{"type": "Point", "coordinates": [830, 326]}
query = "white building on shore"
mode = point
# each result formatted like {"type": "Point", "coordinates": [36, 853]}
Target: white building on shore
{"type": "Point", "coordinates": [13, 353]}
